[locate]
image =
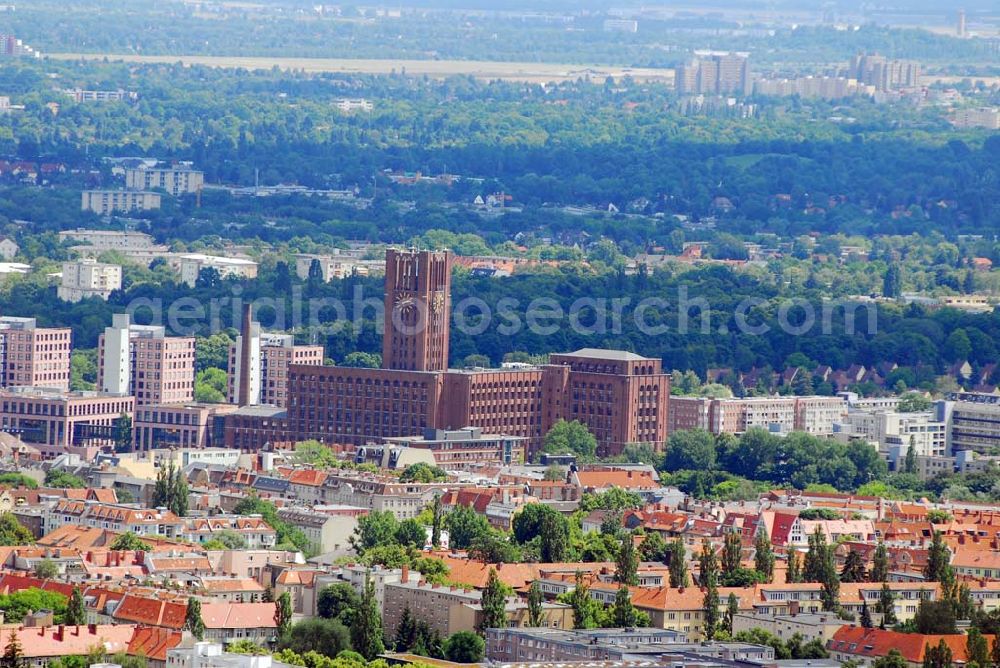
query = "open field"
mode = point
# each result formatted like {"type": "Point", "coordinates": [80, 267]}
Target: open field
{"type": "Point", "coordinates": [513, 71]}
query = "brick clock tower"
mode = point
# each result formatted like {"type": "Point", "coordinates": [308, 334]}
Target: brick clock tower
{"type": "Point", "coordinates": [417, 310]}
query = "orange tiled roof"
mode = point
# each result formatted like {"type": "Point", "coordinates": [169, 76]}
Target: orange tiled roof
{"type": "Point", "coordinates": [616, 478]}
{"type": "Point", "coordinates": [238, 615]}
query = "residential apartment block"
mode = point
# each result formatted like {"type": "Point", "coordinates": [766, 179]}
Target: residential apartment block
{"type": "Point", "coordinates": [814, 415]}
{"type": "Point", "coordinates": [227, 267]}
{"type": "Point", "coordinates": [106, 202]}
{"type": "Point", "coordinates": [975, 422]}
{"type": "Point", "coordinates": [33, 356]}
{"type": "Point", "coordinates": [449, 610]}
{"type": "Point", "coordinates": [175, 180]}
{"type": "Point", "coordinates": [714, 73]}
{"type": "Point", "coordinates": [88, 278]}
{"type": "Point", "coordinates": [143, 361]}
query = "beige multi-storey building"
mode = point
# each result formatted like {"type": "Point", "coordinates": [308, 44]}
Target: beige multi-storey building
{"type": "Point", "coordinates": [811, 414]}
{"type": "Point", "coordinates": [336, 266]}
{"type": "Point", "coordinates": [50, 417]}
{"type": "Point", "coordinates": [449, 610]}
{"type": "Point", "coordinates": [978, 117]}
{"type": "Point", "coordinates": [106, 202]}
{"type": "Point", "coordinates": [192, 265]}
{"type": "Point", "coordinates": [175, 180]}
{"type": "Point", "coordinates": [88, 278]}
{"type": "Point", "coordinates": [143, 361]}
{"type": "Point", "coordinates": [33, 356]}
{"type": "Point", "coordinates": [714, 73]}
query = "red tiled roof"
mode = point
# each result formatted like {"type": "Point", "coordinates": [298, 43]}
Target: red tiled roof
{"type": "Point", "coordinates": [860, 641]}
{"type": "Point", "coordinates": [151, 612]}
{"type": "Point", "coordinates": [44, 642]}
{"type": "Point", "coordinates": [153, 642]}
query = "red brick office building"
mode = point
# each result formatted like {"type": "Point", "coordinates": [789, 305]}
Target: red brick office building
{"type": "Point", "coordinates": [621, 397]}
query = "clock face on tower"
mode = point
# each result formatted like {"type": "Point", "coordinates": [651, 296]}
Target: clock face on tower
{"type": "Point", "coordinates": [403, 300]}
{"type": "Point", "coordinates": [438, 302]}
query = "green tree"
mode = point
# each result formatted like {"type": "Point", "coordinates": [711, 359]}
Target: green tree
{"type": "Point", "coordinates": [678, 564]}
{"type": "Point", "coordinates": [362, 360]}
{"type": "Point", "coordinates": [554, 538]}
{"type": "Point", "coordinates": [366, 628]}
{"type": "Point", "coordinates": [59, 479]}
{"type": "Point", "coordinates": [732, 609]}
{"type": "Point", "coordinates": [887, 606]}
{"type": "Point", "coordinates": [422, 472]}
{"type": "Point", "coordinates": [571, 437]}
{"type": "Point", "coordinates": [976, 648]}
{"type": "Point", "coordinates": [692, 450]}
{"type": "Point", "coordinates": [379, 527]}
{"type": "Point", "coordinates": [465, 647]}
{"type": "Point", "coordinates": [880, 564]}
{"type": "Point", "coordinates": [910, 461]}
{"type": "Point", "coordinates": [465, 525]}
{"type": "Point", "coordinates": [934, 617]}
{"type": "Point", "coordinates": [708, 565]}
{"type": "Point", "coordinates": [324, 636]}
{"type": "Point", "coordinates": [938, 656]}
{"type": "Point", "coordinates": [14, 480]}
{"type": "Point", "coordinates": [938, 567]}
{"type": "Point", "coordinates": [210, 386]}
{"type": "Point", "coordinates": [892, 282]}
{"type": "Point", "coordinates": [283, 613]}
{"type": "Point", "coordinates": [536, 615]}
{"type": "Point", "coordinates": [710, 609]}
{"type": "Point", "coordinates": [315, 454]}
{"type": "Point", "coordinates": [130, 542]}
{"type": "Point", "coordinates": [732, 552]}
{"type": "Point", "coordinates": [581, 602]}
{"type": "Point", "coordinates": [406, 631]}
{"type": "Point", "coordinates": [914, 402]}
{"type": "Point", "coordinates": [76, 611]}
{"type": "Point", "coordinates": [854, 568]}
{"type": "Point", "coordinates": [193, 622]}
{"type": "Point", "coordinates": [891, 660]}
{"type": "Point", "coordinates": [13, 655]}
{"type": "Point", "coordinates": [623, 612]}
{"type": "Point", "coordinates": [410, 532]}
{"type": "Point", "coordinates": [246, 646]}
{"type": "Point", "coordinates": [794, 572]}
{"type": "Point", "coordinates": [763, 560]}
{"type": "Point", "coordinates": [494, 603]}
{"type": "Point", "coordinates": [436, 519]}
{"type": "Point", "coordinates": [46, 569]}
{"type": "Point", "coordinates": [866, 615]}
{"type": "Point", "coordinates": [338, 601]}
{"type": "Point", "coordinates": [627, 562]}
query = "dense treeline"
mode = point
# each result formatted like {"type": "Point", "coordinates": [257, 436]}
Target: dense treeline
{"type": "Point", "coordinates": [295, 29]}
{"type": "Point", "coordinates": [783, 172]}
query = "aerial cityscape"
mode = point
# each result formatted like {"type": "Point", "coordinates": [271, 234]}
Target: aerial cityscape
{"type": "Point", "coordinates": [522, 333]}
